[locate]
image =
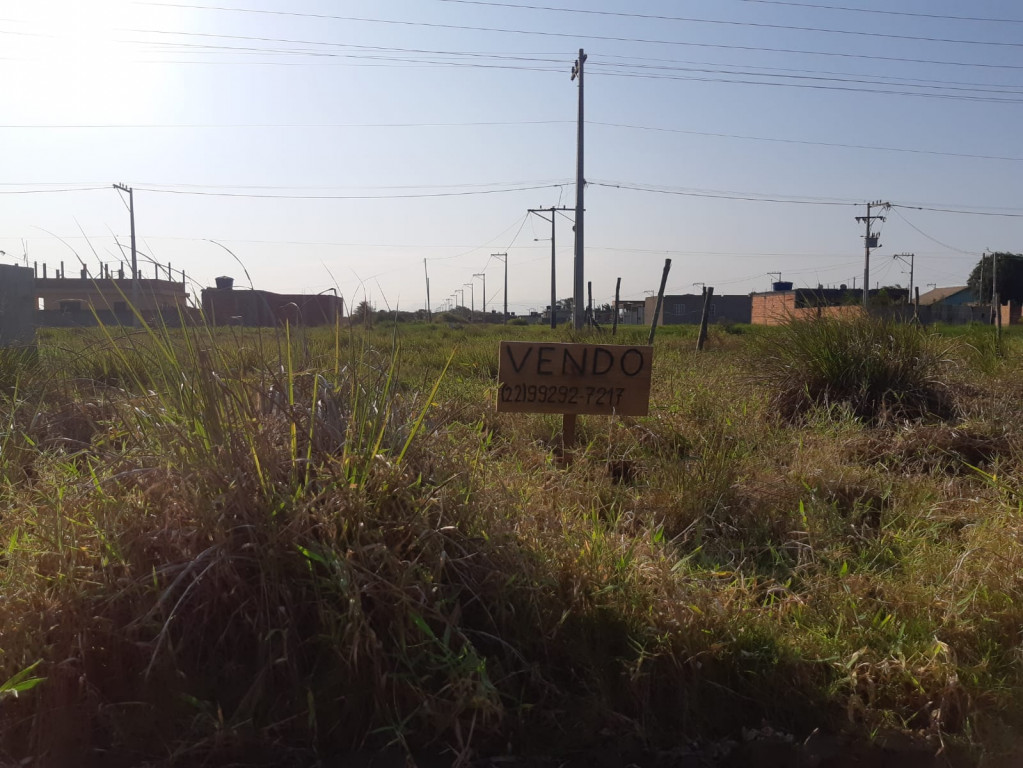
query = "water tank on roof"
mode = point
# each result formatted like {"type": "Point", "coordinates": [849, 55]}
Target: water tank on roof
{"type": "Point", "coordinates": [781, 286]}
{"type": "Point", "coordinates": [225, 283]}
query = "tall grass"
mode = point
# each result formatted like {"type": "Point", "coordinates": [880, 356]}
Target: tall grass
{"type": "Point", "coordinates": [878, 368]}
{"type": "Point", "coordinates": [238, 547]}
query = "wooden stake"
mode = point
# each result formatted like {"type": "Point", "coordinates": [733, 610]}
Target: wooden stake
{"type": "Point", "coordinates": [618, 293]}
{"type": "Point", "coordinates": [708, 293]}
{"type": "Point", "coordinates": [660, 301]}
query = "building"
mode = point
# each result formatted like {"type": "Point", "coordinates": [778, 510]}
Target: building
{"type": "Point", "coordinates": [223, 305]}
{"type": "Point", "coordinates": [785, 303]}
{"type": "Point", "coordinates": [17, 326]}
{"type": "Point", "coordinates": [109, 298]}
{"type": "Point", "coordinates": [631, 312]}
{"type": "Point", "coordinates": [687, 308]}
{"type": "Point", "coordinates": [954, 296]}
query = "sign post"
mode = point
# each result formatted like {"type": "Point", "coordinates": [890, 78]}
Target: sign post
{"type": "Point", "coordinates": [573, 379]}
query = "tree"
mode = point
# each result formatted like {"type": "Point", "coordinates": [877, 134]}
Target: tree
{"type": "Point", "coordinates": [1010, 277]}
{"type": "Point", "coordinates": [363, 313]}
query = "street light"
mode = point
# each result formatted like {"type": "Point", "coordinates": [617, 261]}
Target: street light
{"type": "Point", "coordinates": [472, 298]}
{"type": "Point", "coordinates": [484, 276]}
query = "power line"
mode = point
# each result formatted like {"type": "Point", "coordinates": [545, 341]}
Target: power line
{"type": "Point", "coordinates": [627, 126]}
{"type": "Point", "coordinates": [823, 77]}
{"type": "Point", "coordinates": [962, 212]}
{"type": "Point", "coordinates": [332, 126]}
{"type": "Point", "coordinates": [48, 190]}
{"type": "Point", "coordinates": [541, 33]}
{"type": "Point", "coordinates": [909, 14]}
{"type": "Point", "coordinates": [274, 195]}
{"type": "Point", "coordinates": [748, 197]}
{"type": "Point", "coordinates": [849, 87]}
{"type": "Point", "coordinates": [732, 23]}
{"type": "Point", "coordinates": [808, 143]}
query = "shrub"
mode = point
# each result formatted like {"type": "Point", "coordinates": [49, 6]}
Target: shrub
{"type": "Point", "coordinates": [878, 368]}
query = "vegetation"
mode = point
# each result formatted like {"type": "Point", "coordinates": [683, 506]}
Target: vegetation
{"type": "Point", "coordinates": [878, 369]}
{"type": "Point", "coordinates": [238, 547]}
{"type": "Point", "coordinates": [1010, 277]}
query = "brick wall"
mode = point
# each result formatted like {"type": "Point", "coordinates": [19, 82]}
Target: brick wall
{"type": "Point", "coordinates": [780, 307]}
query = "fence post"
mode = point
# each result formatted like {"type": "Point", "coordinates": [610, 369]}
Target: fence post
{"type": "Point", "coordinates": [708, 294]}
{"type": "Point", "coordinates": [660, 300]}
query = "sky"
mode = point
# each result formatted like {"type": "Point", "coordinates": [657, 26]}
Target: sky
{"type": "Point", "coordinates": [359, 145]}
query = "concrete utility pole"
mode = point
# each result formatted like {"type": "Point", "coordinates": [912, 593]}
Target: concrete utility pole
{"type": "Point", "coordinates": [429, 312]}
{"type": "Point", "coordinates": [484, 276]}
{"type": "Point", "coordinates": [134, 252]}
{"type": "Point", "coordinates": [995, 310]}
{"type": "Point", "coordinates": [554, 293]}
{"type": "Point", "coordinates": [472, 298]}
{"type": "Point", "coordinates": [580, 184]}
{"type": "Point", "coordinates": [869, 242]}
{"type": "Point", "coordinates": [505, 257]}
{"type": "Point", "coordinates": [903, 258]}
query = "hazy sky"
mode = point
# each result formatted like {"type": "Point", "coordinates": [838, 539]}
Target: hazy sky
{"type": "Point", "coordinates": [339, 143]}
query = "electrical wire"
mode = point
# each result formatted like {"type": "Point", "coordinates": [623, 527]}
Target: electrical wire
{"type": "Point", "coordinates": [808, 143]}
{"type": "Point", "coordinates": [731, 23]}
{"type": "Point", "coordinates": [543, 33]}
{"type": "Point", "coordinates": [929, 237]}
{"type": "Point", "coordinates": [748, 197]}
{"type": "Point", "coordinates": [909, 14]}
{"type": "Point", "coordinates": [279, 196]}
{"type": "Point", "coordinates": [49, 190]}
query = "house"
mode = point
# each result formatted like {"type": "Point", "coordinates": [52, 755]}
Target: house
{"type": "Point", "coordinates": [687, 308]}
{"type": "Point", "coordinates": [954, 296]}
{"type": "Point", "coordinates": [631, 312]}
{"type": "Point", "coordinates": [223, 305]}
{"type": "Point", "coordinates": [108, 298]}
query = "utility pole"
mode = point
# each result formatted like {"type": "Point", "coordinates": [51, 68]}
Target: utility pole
{"type": "Point", "coordinates": [912, 257]}
{"type": "Point", "coordinates": [996, 311]}
{"type": "Point", "coordinates": [484, 276]}
{"type": "Point", "coordinates": [554, 293]}
{"type": "Point", "coordinates": [134, 253]}
{"type": "Point", "coordinates": [505, 257]}
{"type": "Point", "coordinates": [869, 242]}
{"type": "Point", "coordinates": [429, 312]}
{"type": "Point", "coordinates": [580, 184]}
{"type": "Point", "coordinates": [472, 299]}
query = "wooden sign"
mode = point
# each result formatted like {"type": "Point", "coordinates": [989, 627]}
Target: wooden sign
{"type": "Point", "coordinates": [546, 377]}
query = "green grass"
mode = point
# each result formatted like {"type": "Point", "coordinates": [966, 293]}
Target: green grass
{"type": "Point", "coordinates": [260, 547]}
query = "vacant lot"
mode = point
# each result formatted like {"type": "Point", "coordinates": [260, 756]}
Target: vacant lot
{"type": "Point", "coordinates": [240, 547]}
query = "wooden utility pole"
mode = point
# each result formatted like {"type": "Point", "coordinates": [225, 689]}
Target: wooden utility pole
{"type": "Point", "coordinates": [580, 184]}
{"type": "Point", "coordinates": [589, 303]}
{"type": "Point", "coordinates": [870, 240]}
{"type": "Point", "coordinates": [134, 252]}
{"type": "Point", "coordinates": [660, 300]}
{"type": "Point", "coordinates": [618, 293]}
{"type": "Point", "coordinates": [701, 339]}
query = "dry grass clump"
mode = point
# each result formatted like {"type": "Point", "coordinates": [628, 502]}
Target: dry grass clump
{"type": "Point", "coordinates": [881, 370]}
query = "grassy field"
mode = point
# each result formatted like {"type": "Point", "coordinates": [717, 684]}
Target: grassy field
{"type": "Point", "coordinates": [240, 547]}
